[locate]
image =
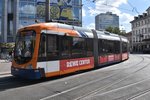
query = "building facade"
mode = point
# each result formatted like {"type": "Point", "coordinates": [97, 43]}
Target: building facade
{"type": "Point", "coordinates": [129, 37]}
{"type": "Point", "coordinates": [15, 14]}
{"type": "Point", "coordinates": [8, 20]}
{"type": "Point", "coordinates": [140, 30]}
{"type": "Point", "coordinates": [105, 20]}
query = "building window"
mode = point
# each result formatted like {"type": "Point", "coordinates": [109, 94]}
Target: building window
{"type": "Point", "coordinates": [134, 33]}
{"type": "Point", "coordinates": [148, 30]}
{"type": "Point", "coordinates": [145, 30]}
{"type": "Point", "coordinates": [0, 30]}
{"type": "Point", "coordinates": [27, 9]}
{"type": "Point", "coordinates": [142, 31]}
{"type": "Point", "coordinates": [148, 21]}
{"type": "Point", "coordinates": [1, 7]}
{"type": "Point", "coordinates": [135, 25]}
{"type": "Point", "coordinates": [0, 19]}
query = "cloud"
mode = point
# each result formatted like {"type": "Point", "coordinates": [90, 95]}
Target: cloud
{"type": "Point", "coordinates": [103, 6]}
{"type": "Point", "coordinates": [83, 12]}
{"type": "Point", "coordinates": [90, 26]}
{"type": "Point", "coordinates": [28, 9]}
{"type": "Point", "coordinates": [117, 3]}
{"type": "Point", "coordinates": [125, 18]}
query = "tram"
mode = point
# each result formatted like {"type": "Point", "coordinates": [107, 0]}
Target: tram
{"type": "Point", "coordinates": [51, 49]}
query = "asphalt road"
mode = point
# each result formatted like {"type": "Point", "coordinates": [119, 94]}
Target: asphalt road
{"type": "Point", "coordinates": [129, 80]}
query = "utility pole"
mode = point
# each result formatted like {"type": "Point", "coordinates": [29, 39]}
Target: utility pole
{"type": "Point", "coordinates": [47, 11]}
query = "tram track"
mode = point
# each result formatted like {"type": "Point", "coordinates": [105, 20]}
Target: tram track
{"type": "Point", "coordinates": [64, 92]}
{"type": "Point", "coordinates": [138, 94]}
{"type": "Point", "coordinates": [8, 79]}
{"type": "Point", "coordinates": [103, 87]}
{"type": "Point", "coordinates": [135, 97]}
{"type": "Point", "coordinates": [130, 96]}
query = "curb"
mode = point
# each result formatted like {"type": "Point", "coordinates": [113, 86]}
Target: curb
{"type": "Point", "coordinates": [5, 61]}
{"type": "Point", "coordinates": [5, 73]}
{"type": "Point", "coordinates": [2, 61]}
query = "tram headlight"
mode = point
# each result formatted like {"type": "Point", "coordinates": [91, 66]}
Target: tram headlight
{"type": "Point", "coordinates": [29, 67]}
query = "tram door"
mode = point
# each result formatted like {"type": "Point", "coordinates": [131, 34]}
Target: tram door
{"type": "Point", "coordinates": [49, 53]}
{"type": "Point", "coordinates": [42, 56]}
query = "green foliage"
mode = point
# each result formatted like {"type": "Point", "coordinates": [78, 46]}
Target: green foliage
{"type": "Point", "coordinates": [109, 29]}
{"type": "Point", "coordinates": [7, 45]}
{"type": "Point", "coordinates": [115, 30]}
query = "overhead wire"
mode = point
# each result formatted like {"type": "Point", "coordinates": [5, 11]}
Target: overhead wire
{"type": "Point", "coordinates": [134, 9]}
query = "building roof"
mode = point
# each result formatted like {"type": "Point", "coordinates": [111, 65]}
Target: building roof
{"type": "Point", "coordinates": [148, 9]}
{"type": "Point", "coordinates": [139, 17]}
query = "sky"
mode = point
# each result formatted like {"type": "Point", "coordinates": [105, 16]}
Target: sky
{"type": "Point", "coordinates": [125, 9]}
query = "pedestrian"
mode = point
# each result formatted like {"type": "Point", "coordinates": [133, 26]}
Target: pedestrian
{"type": "Point", "coordinates": [10, 53]}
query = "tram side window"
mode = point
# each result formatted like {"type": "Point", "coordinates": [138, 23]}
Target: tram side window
{"type": "Point", "coordinates": [102, 47]}
{"type": "Point", "coordinates": [52, 47]}
{"type": "Point", "coordinates": [110, 47]}
{"type": "Point", "coordinates": [42, 49]}
{"type": "Point", "coordinates": [117, 47]}
{"type": "Point", "coordinates": [78, 47]}
{"type": "Point", "coordinates": [89, 47]}
{"type": "Point", "coordinates": [124, 47]}
{"type": "Point", "coordinates": [105, 47]}
{"type": "Point", "coordinates": [66, 47]}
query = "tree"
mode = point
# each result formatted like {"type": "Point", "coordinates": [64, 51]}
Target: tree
{"type": "Point", "coordinates": [109, 29]}
{"type": "Point", "coordinates": [114, 30]}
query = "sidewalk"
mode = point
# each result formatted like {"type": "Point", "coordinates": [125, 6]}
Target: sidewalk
{"type": "Point", "coordinates": [1, 61]}
{"type": "Point", "coordinates": [4, 61]}
{"type": "Point", "coordinates": [5, 67]}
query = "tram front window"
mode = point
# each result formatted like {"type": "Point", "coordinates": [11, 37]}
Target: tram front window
{"type": "Point", "coordinates": [24, 47]}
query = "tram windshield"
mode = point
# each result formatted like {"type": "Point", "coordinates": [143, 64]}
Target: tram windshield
{"type": "Point", "coordinates": [24, 47]}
